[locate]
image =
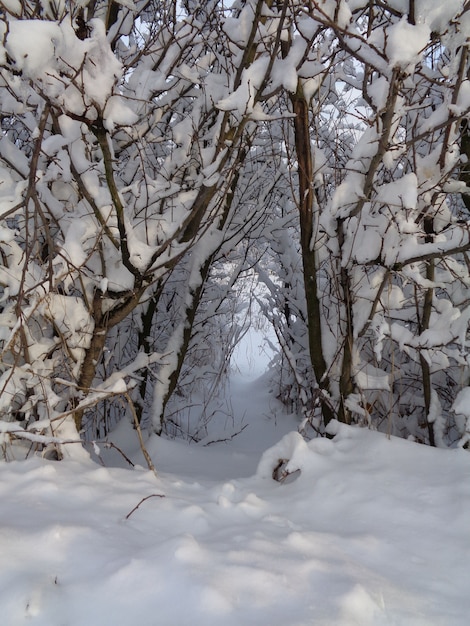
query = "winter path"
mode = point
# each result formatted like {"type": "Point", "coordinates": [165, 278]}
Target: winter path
{"type": "Point", "coordinates": [373, 532]}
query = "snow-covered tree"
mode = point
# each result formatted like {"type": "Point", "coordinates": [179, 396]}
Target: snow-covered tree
{"type": "Point", "coordinates": [126, 129]}
{"type": "Point", "coordinates": [379, 165]}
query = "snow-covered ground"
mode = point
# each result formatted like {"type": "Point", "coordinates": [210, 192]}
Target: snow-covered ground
{"type": "Point", "coordinates": [374, 531]}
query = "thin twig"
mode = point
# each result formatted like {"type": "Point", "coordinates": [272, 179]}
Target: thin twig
{"type": "Point", "coordinates": [110, 444]}
{"type": "Point", "coordinates": [229, 438]}
{"type": "Point", "coordinates": [152, 495]}
{"type": "Point", "coordinates": [147, 457]}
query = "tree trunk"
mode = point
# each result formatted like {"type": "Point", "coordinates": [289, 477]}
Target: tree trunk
{"type": "Point", "coordinates": [92, 355]}
{"type": "Point", "coordinates": [346, 382]}
{"type": "Point", "coordinates": [309, 263]}
{"type": "Point", "coordinates": [103, 324]}
{"type": "Point", "coordinates": [188, 323]}
{"type": "Point", "coordinates": [425, 319]}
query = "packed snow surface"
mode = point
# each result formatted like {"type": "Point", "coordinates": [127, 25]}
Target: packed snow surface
{"type": "Point", "coordinates": [373, 531]}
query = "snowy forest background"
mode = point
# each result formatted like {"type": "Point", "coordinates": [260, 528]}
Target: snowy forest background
{"type": "Point", "coordinates": [174, 172]}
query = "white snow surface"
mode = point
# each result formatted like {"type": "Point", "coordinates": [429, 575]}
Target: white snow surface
{"type": "Point", "coordinates": [374, 531]}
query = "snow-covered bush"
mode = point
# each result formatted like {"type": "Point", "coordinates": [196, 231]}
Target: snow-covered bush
{"type": "Point", "coordinates": [377, 160]}
{"type": "Point", "coordinates": [126, 130]}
